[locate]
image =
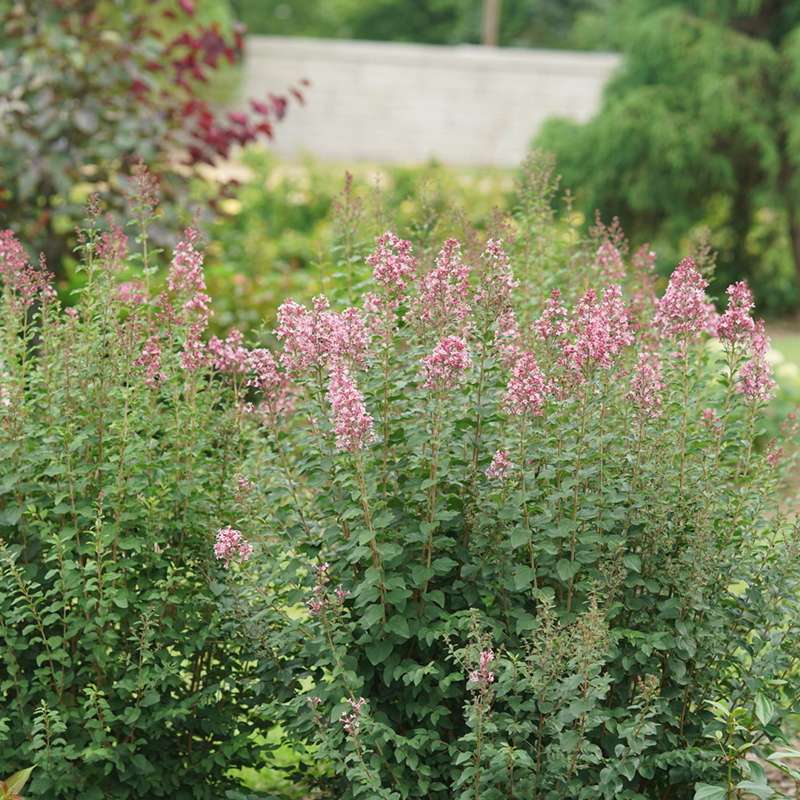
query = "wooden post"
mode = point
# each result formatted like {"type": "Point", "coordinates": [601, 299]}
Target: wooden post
{"type": "Point", "coordinates": [491, 23]}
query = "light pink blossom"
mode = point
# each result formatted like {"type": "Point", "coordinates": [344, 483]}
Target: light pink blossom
{"type": "Point", "coordinates": [507, 337]}
{"type": "Point", "coordinates": [393, 264]}
{"type": "Point", "coordinates": [352, 722]}
{"type": "Point", "coordinates": [736, 325]}
{"type": "Point", "coordinates": [229, 355]}
{"type": "Point", "coordinates": [610, 263]}
{"type": "Point", "coordinates": [352, 425]}
{"type": "Point", "coordinates": [684, 311]}
{"type": "Point", "coordinates": [231, 546]}
{"type": "Point", "coordinates": [483, 677]}
{"type": "Point", "coordinates": [527, 389]}
{"type": "Point", "coordinates": [500, 467]}
{"type": "Point", "coordinates": [449, 360]}
{"type": "Point", "coordinates": [755, 377]}
{"type": "Point", "coordinates": [554, 321]}
{"type": "Point", "coordinates": [647, 385]}
{"type": "Point", "coordinates": [150, 360]}
{"type": "Point", "coordinates": [497, 279]}
{"type": "Point", "coordinates": [443, 301]}
{"type": "Point", "coordinates": [27, 284]}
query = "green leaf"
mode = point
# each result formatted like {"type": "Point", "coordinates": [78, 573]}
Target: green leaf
{"type": "Point", "coordinates": [16, 783]}
{"type": "Point", "coordinates": [764, 709]}
{"type": "Point", "coordinates": [567, 569]}
{"type": "Point", "coordinates": [523, 577]}
{"type": "Point", "coordinates": [399, 626]}
{"type": "Point", "coordinates": [758, 789]}
{"type": "Point", "coordinates": [519, 537]}
{"type": "Point", "coordinates": [377, 652]}
{"type": "Point", "coordinates": [704, 791]}
{"type": "Point", "coordinates": [371, 615]}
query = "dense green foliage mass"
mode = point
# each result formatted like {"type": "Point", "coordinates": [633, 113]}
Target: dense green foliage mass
{"type": "Point", "coordinates": [699, 127]}
{"type": "Point", "coordinates": [529, 23]}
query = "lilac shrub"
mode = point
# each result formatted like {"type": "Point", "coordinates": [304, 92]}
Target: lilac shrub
{"type": "Point", "coordinates": [517, 529]}
{"type": "Point", "coordinates": [121, 439]}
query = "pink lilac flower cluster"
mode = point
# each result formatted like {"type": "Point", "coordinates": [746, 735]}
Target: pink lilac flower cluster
{"type": "Point", "coordinates": [449, 360]}
{"type": "Point", "coordinates": [684, 311]}
{"type": "Point", "coordinates": [601, 329]}
{"type": "Point", "coordinates": [527, 389]}
{"type": "Point", "coordinates": [229, 355]}
{"type": "Point", "coordinates": [393, 264]}
{"type": "Point", "coordinates": [312, 338]}
{"type": "Point", "coordinates": [500, 467]}
{"type": "Point", "coordinates": [231, 546]}
{"type": "Point", "coordinates": [186, 282]}
{"type": "Point", "coordinates": [352, 424]}
{"type": "Point", "coordinates": [131, 293]}
{"type": "Point", "coordinates": [443, 300]}
{"type": "Point", "coordinates": [755, 377]}
{"type": "Point", "coordinates": [352, 722]}
{"type": "Point", "coordinates": [150, 360]}
{"type": "Point", "coordinates": [554, 320]}
{"type": "Point", "coordinates": [507, 337]}
{"type": "Point", "coordinates": [271, 383]}
{"type": "Point", "coordinates": [112, 248]}
{"type": "Point", "coordinates": [497, 280]}
{"type": "Point", "coordinates": [610, 263]}
{"type": "Point", "coordinates": [244, 488]}
{"type": "Point", "coordinates": [27, 283]}
{"type": "Point", "coordinates": [483, 677]}
{"type": "Point", "coordinates": [711, 419]}
{"type": "Point", "coordinates": [186, 279]}
{"type": "Point", "coordinates": [736, 325]}
{"type": "Point", "coordinates": [320, 598]}
{"type": "Point", "coordinates": [647, 385]}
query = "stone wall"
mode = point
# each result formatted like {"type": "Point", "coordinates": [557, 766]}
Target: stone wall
{"type": "Point", "coordinates": [397, 103]}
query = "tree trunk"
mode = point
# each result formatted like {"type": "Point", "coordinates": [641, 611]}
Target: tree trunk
{"type": "Point", "coordinates": [490, 34]}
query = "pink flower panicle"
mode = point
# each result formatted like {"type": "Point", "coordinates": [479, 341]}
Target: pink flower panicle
{"type": "Point", "coordinates": [684, 311]}
{"type": "Point", "coordinates": [755, 378]}
{"type": "Point", "coordinates": [27, 283]}
{"type": "Point", "coordinates": [483, 677]}
{"type": "Point", "coordinates": [270, 381]}
{"type": "Point", "coordinates": [601, 328]}
{"type": "Point", "coordinates": [449, 360]}
{"type": "Point", "coordinates": [112, 249]}
{"type": "Point", "coordinates": [231, 546]}
{"type": "Point", "coordinates": [186, 279]}
{"type": "Point", "coordinates": [553, 323]}
{"type": "Point", "coordinates": [507, 337]}
{"type": "Point", "coordinates": [443, 300]}
{"type": "Point", "coordinates": [131, 293]}
{"type": "Point", "coordinates": [352, 425]}
{"type": "Point", "coordinates": [527, 389]}
{"type": "Point", "coordinates": [711, 419]}
{"type": "Point", "coordinates": [314, 338]}
{"type": "Point", "coordinates": [244, 488]}
{"type": "Point", "coordinates": [736, 325]}
{"type": "Point", "coordinates": [610, 263]}
{"type": "Point", "coordinates": [319, 599]}
{"type": "Point", "coordinates": [352, 722]}
{"type": "Point", "coordinates": [150, 360]}
{"type": "Point", "coordinates": [500, 467]}
{"type": "Point", "coordinates": [647, 385]}
{"type": "Point", "coordinates": [393, 264]}
{"type": "Point", "coordinates": [497, 281]}
{"type": "Point", "coordinates": [230, 355]}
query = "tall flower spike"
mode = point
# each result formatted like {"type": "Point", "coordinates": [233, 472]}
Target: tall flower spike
{"type": "Point", "coordinates": [527, 388]}
{"type": "Point", "coordinates": [352, 425]}
{"type": "Point", "coordinates": [443, 301]}
{"type": "Point", "coordinates": [647, 385]}
{"type": "Point", "coordinates": [736, 325]}
{"type": "Point", "coordinates": [449, 360]}
{"type": "Point", "coordinates": [755, 378]}
{"type": "Point", "coordinates": [684, 311]}
{"type": "Point", "coordinates": [393, 264]}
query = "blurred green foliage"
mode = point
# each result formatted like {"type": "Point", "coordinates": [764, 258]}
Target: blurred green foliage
{"type": "Point", "coordinates": [530, 23]}
{"type": "Point", "coordinates": [700, 127]}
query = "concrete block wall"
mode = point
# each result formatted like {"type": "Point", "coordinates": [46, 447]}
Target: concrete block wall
{"type": "Point", "coordinates": [400, 103]}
